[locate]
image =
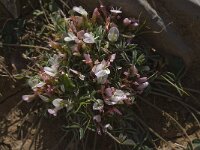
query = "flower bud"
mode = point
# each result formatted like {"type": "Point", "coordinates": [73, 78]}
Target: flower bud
{"type": "Point", "coordinates": [29, 98]}
{"type": "Point", "coordinates": [127, 21]}
{"type": "Point", "coordinates": [95, 14]}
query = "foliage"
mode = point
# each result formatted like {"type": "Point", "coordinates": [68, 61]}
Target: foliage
{"type": "Point", "coordinates": [92, 70]}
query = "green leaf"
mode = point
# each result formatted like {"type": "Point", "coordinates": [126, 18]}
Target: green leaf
{"type": "Point", "coordinates": [72, 127]}
{"type": "Point", "coordinates": [81, 132]}
{"type": "Point", "coordinates": [67, 82]}
{"type": "Point", "coordinates": [140, 59]}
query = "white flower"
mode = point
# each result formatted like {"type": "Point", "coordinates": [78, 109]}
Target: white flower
{"type": "Point", "coordinates": [115, 11]}
{"type": "Point", "coordinates": [118, 97]}
{"type": "Point", "coordinates": [54, 62]}
{"type": "Point", "coordinates": [88, 38]}
{"type": "Point", "coordinates": [113, 34]}
{"type": "Point", "coordinates": [80, 10]}
{"type": "Point", "coordinates": [39, 85]}
{"type": "Point", "coordinates": [71, 37]}
{"type": "Point", "coordinates": [58, 103]}
{"type": "Point", "coordinates": [101, 72]}
{"type": "Point", "coordinates": [50, 71]}
{"type": "Point", "coordinates": [98, 105]}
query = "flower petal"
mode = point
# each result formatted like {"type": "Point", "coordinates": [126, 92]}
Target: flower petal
{"type": "Point", "coordinates": [97, 118]}
{"type": "Point", "coordinates": [98, 105]}
{"type": "Point", "coordinates": [57, 102]}
{"type": "Point", "coordinates": [80, 10]}
{"type": "Point", "coordinates": [52, 112]}
{"type": "Point", "coordinates": [50, 71]}
{"type": "Point", "coordinates": [142, 86]}
{"type": "Point", "coordinates": [28, 98]}
{"type": "Point", "coordinates": [88, 38]}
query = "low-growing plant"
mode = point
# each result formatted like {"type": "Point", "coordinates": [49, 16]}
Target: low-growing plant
{"type": "Point", "coordinates": [93, 71]}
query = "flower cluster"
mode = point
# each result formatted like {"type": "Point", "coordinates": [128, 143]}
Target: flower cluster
{"type": "Point", "coordinates": [92, 65]}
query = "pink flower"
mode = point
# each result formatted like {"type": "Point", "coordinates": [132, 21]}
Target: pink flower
{"type": "Point", "coordinates": [29, 98]}
{"type": "Point", "coordinates": [53, 111]}
{"type": "Point", "coordinates": [115, 96]}
{"type": "Point", "coordinates": [142, 80]}
{"type": "Point", "coordinates": [97, 118]}
{"type": "Point", "coordinates": [80, 34]}
{"type": "Point", "coordinates": [112, 57]}
{"type": "Point", "coordinates": [96, 14]}
{"type": "Point", "coordinates": [142, 83]}
{"type": "Point", "coordinates": [58, 104]}
{"type": "Point", "coordinates": [142, 86]}
{"type": "Point", "coordinates": [76, 49]}
{"type": "Point", "coordinates": [87, 60]}
{"type": "Point", "coordinates": [134, 71]}
{"type": "Point", "coordinates": [88, 38]}
{"type": "Point", "coordinates": [109, 91]}
{"type": "Point", "coordinates": [77, 22]}
{"type": "Point", "coordinates": [127, 21]}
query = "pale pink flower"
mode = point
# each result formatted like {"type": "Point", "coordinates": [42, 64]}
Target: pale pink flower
{"type": "Point", "coordinates": [142, 86]}
{"type": "Point", "coordinates": [109, 91]}
{"type": "Point", "coordinates": [97, 118]}
{"type": "Point", "coordinates": [127, 21]}
{"type": "Point", "coordinates": [101, 71]}
{"type": "Point", "coordinates": [58, 105]}
{"type": "Point", "coordinates": [142, 80]}
{"type": "Point", "coordinates": [53, 111]}
{"type": "Point", "coordinates": [117, 97]}
{"type": "Point", "coordinates": [89, 38]}
{"type": "Point", "coordinates": [134, 71]}
{"type": "Point", "coordinates": [112, 57]}
{"type": "Point", "coordinates": [29, 98]}
{"type": "Point", "coordinates": [96, 14]}
{"type": "Point", "coordinates": [87, 60]}
{"type": "Point", "coordinates": [80, 34]}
